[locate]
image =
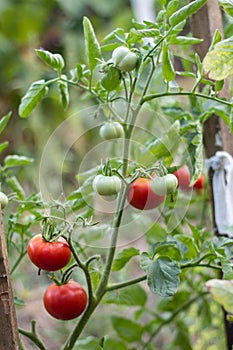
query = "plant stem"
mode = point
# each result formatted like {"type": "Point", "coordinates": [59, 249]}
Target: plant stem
{"type": "Point", "coordinates": [128, 283]}
{"type": "Point", "coordinates": [185, 93]}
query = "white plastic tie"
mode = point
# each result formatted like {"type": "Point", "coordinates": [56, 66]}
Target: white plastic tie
{"type": "Point", "coordinates": [222, 165]}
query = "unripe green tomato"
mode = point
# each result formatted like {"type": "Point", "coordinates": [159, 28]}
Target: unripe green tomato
{"type": "Point", "coordinates": [164, 185]}
{"type": "Point", "coordinates": [112, 130]}
{"type": "Point", "coordinates": [111, 79]}
{"type": "Point", "coordinates": [124, 59]}
{"type": "Point", "coordinates": [3, 200]}
{"type": "Point", "coordinates": [107, 185]}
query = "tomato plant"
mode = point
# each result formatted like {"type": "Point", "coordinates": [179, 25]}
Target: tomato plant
{"type": "Point", "coordinates": [163, 125]}
{"type": "Point", "coordinates": [49, 256]}
{"type": "Point", "coordinates": [66, 301]}
{"type": "Point", "coordinates": [141, 196]}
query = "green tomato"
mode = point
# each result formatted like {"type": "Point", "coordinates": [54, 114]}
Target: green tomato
{"type": "Point", "coordinates": [107, 185]}
{"type": "Point", "coordinates": [164, 185]}
{"type": "Point", "coordinates": [111, 78]}
{"type": "Point", "coordinates": [3, 200]}
{"type": "Point", "coordinates": [112, 130]}
{"type": "Point", "coordinates": [124, 59]}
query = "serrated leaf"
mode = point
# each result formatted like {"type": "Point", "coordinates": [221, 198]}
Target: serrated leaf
{"type": "Point", "coordinates": [192, 250]}
{"type": "Point", "coordinates": [222, 292]}
{"type": "Point", "coordinates": [186, 11]}
{"type": "Point", "coordinates": [163, 276]}
{"type": "Point", "coordinates": [4, 120]}
{"type": "Point", "coordinates": [54, 60]}
{"type": "Point", "coordinates": [88, 343]}
{"type": "Point", "coordinates": [132, 296]}
{"type": "Point", "coordinates": [64, 92]}
{"type": "Point", "coordinates": [127, 329]}
{"type": "Point", "coordinates": [35, 93]}
{"type": "Point", "coordinates": [167, 67]}
{"type": "Point", "coordinates": [227, 268]}
{"type": "Point", "coordinates": [123, 258]}
{"type": "Point", "coordinates": [227, 6]}
{"type": "Point", "coordinates": [155, 234]}
{"type": "Point", "coordinates": [15, 160]}
{"type": "Point", "coordinates": [92, 47]}
{"type": "Point", "coordinates": [219, 61]}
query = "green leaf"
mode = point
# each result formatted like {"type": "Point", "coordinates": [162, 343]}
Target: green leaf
{"type": "Point", "coordinates": [89, 343]}
{"type": "Point", "coordinates": [64, 92]}
{"type": "Point", "coordinates": [111, 344]}
{"type": "Point", "coordinates": [54, 60]}
{"type": "Point", "coordinates": [222, 292]}
{"type": "Point", "coordinates": [4, 120]}
{"type": "Point", "coordinates": [93, 50]}
{"type": "Point", "coordinates": [186, 11]}
{"type": "Point", "coordinates": [184, 40]}
{"type": "Point", "coordinates": [219, 61]}
{"type": "Point", "coordinates": [16, 187]}
{"type": "Point", "coordinates": [35, 93]}
{"type": "Point", "coordinates": [163, 276]}
{"type": "Point", "coordinates": [127, 329]}
{"type": "Point", "coordinates": [227, 268]}
{"type": "Point", "coordinates": [18, 301]}
{"type": "Point", "coordinates": [145, 33]}
{"type": "Point", "coordinates": [3, 146]}
{"type": "Point", "coordinates": [171, 7]}
{"type": "Point", "coordinates": [167, 67]}
{"type": "Point", "coordinates": [14, 160]}
{"type": "Point", "coordinates": [227, 6]}
{"type": "Point", "coordinates": [155, 234]}
{"type": "Point", "coordinates": [192, 250]}
{"type": "Point", "coordinates": [123, 257]}
{"type": "Point", "coordinates": [132, 296]}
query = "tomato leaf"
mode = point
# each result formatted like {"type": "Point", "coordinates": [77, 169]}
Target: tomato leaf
{"type": "Point", "coordinates": [219, 61]}
{"type": "Point", "coordinates": [227, 6]}
{"type": "Point", "coordinates": [88, 343]}
{"type": "Point", "coordinates": [222, 292]}
{"type": "Point", "coordinates": [162, 275]}
{"type": "Point", "coordinates": [4, 120]}
{"type": "Point", "coordinates": [15, 160]}
{"type": "Point", "coordinates": [186, 11]}
{"type": "Point", "coordinates": [54, 60]}
{"type": "Point", "coordinates": [92, 46]}
{"type": "Point", "coordinates": [35, 93]}
{"type": "Point", "coordinates": [127, 329]}
{"type": "Point", "coordinates": [123, 257]}
{"type": "Point", "coordinates": [132, 296]}
{"type": "Point", "coordinates": [167, 67]}
{"type": "Point", "coordinates": [110, 344]}
{"type": "Point", "coordinates": [183, 40]}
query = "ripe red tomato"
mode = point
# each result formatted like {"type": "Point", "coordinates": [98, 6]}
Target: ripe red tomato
{"type": "Point", "coordinates": [183, 177]}
{"type": "Point", "coordinates": [141, 196]}
{"type": "Point", "coordinates": [49, 256]}
{"type": "Point", "coordinates": [200, 183]}
{"type": "Point", "coordinates": [65, 301]}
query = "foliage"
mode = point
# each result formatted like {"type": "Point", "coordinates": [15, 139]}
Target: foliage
{"type": "Point", "coordinates": [163, 129]}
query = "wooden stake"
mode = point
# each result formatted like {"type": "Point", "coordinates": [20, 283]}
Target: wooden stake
{"type": "Point", "coordinates": [9, 336]}
{"type": "Point", "coordinates": [216, 133]}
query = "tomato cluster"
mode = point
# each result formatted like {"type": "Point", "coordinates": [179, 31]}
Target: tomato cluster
{"type": "Point", "coordinates": [183, 177]}
{"type": "Point", "coordinates": [63, 301]}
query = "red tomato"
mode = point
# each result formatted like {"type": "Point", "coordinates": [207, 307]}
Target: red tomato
{"type": "Point", "coordinates": [65, 301]}
{"type": "Point", "coordinates": [183, 177]}
{"type": "Point", "coordinates": [49, 256]}
{"type": "Point", "coordinates": [200, 183]}
{"type": "Point", "coordinates": [141, 196]}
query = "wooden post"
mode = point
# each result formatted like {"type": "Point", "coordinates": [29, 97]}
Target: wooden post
{"type": "Point", "coordinates": [216, 133]}
{"type": "Point", "coordinates": [9, 336]}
